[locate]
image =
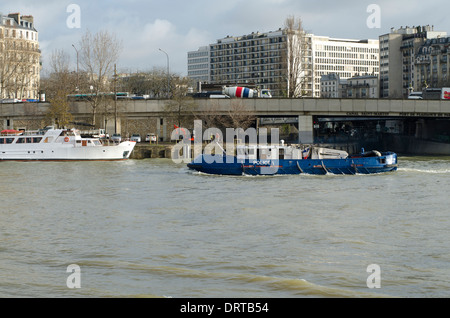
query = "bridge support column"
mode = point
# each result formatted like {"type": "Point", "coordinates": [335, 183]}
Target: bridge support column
{"type": "Point", "coordinates": [305, 129]}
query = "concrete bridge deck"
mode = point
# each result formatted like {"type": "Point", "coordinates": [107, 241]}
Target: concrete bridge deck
{"type": "Point", "coordinates": [261, 107]}
{"type": "Point", "coordinates": [304, 110]}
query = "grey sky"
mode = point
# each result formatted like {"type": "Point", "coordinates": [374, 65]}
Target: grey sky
{"type": "Point", "coordinates": [179, 26]}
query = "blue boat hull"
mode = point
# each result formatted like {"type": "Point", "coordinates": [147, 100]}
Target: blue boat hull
{"type": "Point", "coordinates": [227, 165]}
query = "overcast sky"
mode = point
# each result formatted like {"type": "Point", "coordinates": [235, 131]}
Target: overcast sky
{"type": "Point", "coordinates": [179, 26]}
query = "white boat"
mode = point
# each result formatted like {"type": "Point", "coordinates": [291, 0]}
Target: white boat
{"type": "Point", "coordinates": [59, 144]}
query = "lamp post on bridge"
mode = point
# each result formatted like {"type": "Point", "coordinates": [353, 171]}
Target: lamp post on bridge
{"type": "Point", "coordinates": [168, 74]}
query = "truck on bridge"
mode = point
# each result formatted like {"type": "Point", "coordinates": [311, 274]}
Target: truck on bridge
{"type": "Point", "coordinates": [432, 93]}
{"type": "Point", "coordinates": [244, 92]}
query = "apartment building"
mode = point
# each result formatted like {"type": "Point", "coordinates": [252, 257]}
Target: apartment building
{"type": "Point", "coordinates": [19, 57]}
{"type": "Point", "coordinates": [432, 64]}
{"type": "Point", "coordinates": [332, 86]}
{"type": "Point", "coordinates": [365, 86]}
{"type": "Point", "coordinates": [398, 50]}
{"type": "Point", "coordinates": [256, 58]}
{"type": "Point", "coordinates": [262, 59]}
{"type": "Point", "coordinates": [360, 86]}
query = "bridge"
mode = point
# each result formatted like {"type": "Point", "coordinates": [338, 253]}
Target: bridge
{"type": "Point", "coordinates": [304, 113]}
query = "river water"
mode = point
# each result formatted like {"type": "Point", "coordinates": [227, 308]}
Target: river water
{"type": "Point", "coordinates": [151, 228]}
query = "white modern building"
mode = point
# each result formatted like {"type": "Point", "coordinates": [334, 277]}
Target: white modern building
{"type": "Point", "coordinates": [344, 57]}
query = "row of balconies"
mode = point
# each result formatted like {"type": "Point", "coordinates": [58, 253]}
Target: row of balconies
{"type": "Point", "coordinates": [263, 62]}
{"type": "Point", "coordinates": [240, 69]}
{"type": "Point", "coordinates": [248, 42]}
{"type": "Point", "coordinates": [254, 54]}
{"type": "Point", "coordinates": [244, 50]}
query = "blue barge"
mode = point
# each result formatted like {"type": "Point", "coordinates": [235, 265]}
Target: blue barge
{"type": "Point", "coordinates": [287, 160]}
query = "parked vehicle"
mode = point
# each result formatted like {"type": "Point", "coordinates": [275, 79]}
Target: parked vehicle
{"type": "Point", "coordinates": [116, 138]}
{"type": "Point", "coordinates": [136, 137]}
{"type": "Point", "coordinates": [415, 95]}
{"type": "Point", "coordinates": [150, 138]}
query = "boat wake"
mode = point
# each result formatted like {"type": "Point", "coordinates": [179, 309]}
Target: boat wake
{"type": "Point", "coordinates": [294, 286]}
{"type": "Point", "coordinates": [427, 171]}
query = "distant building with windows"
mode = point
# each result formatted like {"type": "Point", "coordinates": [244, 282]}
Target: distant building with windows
{"type": "Point", "coordinates": [255, 58]}
{"type": "Point", "coordinates": [261, 58]}
{"type": "Point", "coordinates": [344, 57]}
{"type": "Point", "coordinates": [398, 51]}
{"type": "Point", "coordinates": [332, 86]}
{"type": "Point", "coordinates": [360, 86]}
{"type": "Point", "coordinates": [432, 64]}
{"type": "Point", "coordinates": [199, 64]}
{"type": "Point", "coordinates": [365, 86]}
{"type": "Point", "coordinates": [19, 57]}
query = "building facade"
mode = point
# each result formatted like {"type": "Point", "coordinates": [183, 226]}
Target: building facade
{"type": "Point", "coordinates": [432, 64]}
{"type": "Point", "coordinates": [332, 86]}
{"type": "Point", "coordinates": [262, 59]}
{"type": "Point", "coordinates": [344, 57]}
{"type": "Point", "coordinates": [365, 86]}
{"type": "Point", "coordinates": [255, 58]}
{"type": "Point", "coordinates": [398, 51]}
{"type": "Point", "coordinates": [19, 57]}
{"type": "Point", "coordinates": [198, 64]}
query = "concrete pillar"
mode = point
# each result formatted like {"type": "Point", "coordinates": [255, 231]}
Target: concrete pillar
{"type": "Point", "coordinates": [161, 129]}
{"type": "Point", "coordinates": [305, 129]}
{"type": "Point", "coordinates": [165, 137]}
{"type": "Point", "coordinates": [158, 128]}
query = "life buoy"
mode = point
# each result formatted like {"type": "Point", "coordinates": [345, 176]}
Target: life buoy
{"type": "Point", "coordinates": [66, 139]}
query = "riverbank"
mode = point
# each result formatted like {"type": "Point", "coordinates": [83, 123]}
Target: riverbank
{"type": "Point", "coordinates": [147, 150]}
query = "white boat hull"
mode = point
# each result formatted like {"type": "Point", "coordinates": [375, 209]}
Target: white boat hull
{"type": "Point", "coordinates": [53, 147]}
{"type": "Point", "coordinates": [35, 152]}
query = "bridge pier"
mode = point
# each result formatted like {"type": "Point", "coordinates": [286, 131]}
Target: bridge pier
{"type": "Point", "coordinates": [305, 129]}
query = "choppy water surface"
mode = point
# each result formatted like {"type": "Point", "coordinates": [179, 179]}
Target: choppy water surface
{"type": "Point", "coordinates": [152, 228]}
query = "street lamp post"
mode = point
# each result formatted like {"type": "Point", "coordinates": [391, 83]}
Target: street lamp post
{"type": "Point", "coordinates": [78, 84]}
{"type": "Point", "coordinates": [168, 74]}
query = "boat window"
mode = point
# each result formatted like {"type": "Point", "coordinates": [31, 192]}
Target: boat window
{"type": "Point", "coordinates": [66, 133]}
{"type": "Point", "coordinates": [9, 140]}
{"type": "Point", "coordinates": [37, 140]}
{"type": "Point", "coordinates": [20, 141]}
{"type": "Point", "coordinates": [97, 142]}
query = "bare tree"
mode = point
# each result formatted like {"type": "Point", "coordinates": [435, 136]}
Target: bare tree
{"type": "Point", "coordinates": [98, 54]}
{"type": "Point", "coordinates": [181, 108]}
{"type": "Point", "coordinates": [237, 116]}
{"type": "Point", "coordinates": [60, 83]}
{"type": "Point", "coordinates": [296, 58]}
{"type": "Point", "coordinates": [59, 111]}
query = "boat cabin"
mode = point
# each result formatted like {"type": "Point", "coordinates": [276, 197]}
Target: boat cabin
{"type": "Point", "coordinates": [282, 152]}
